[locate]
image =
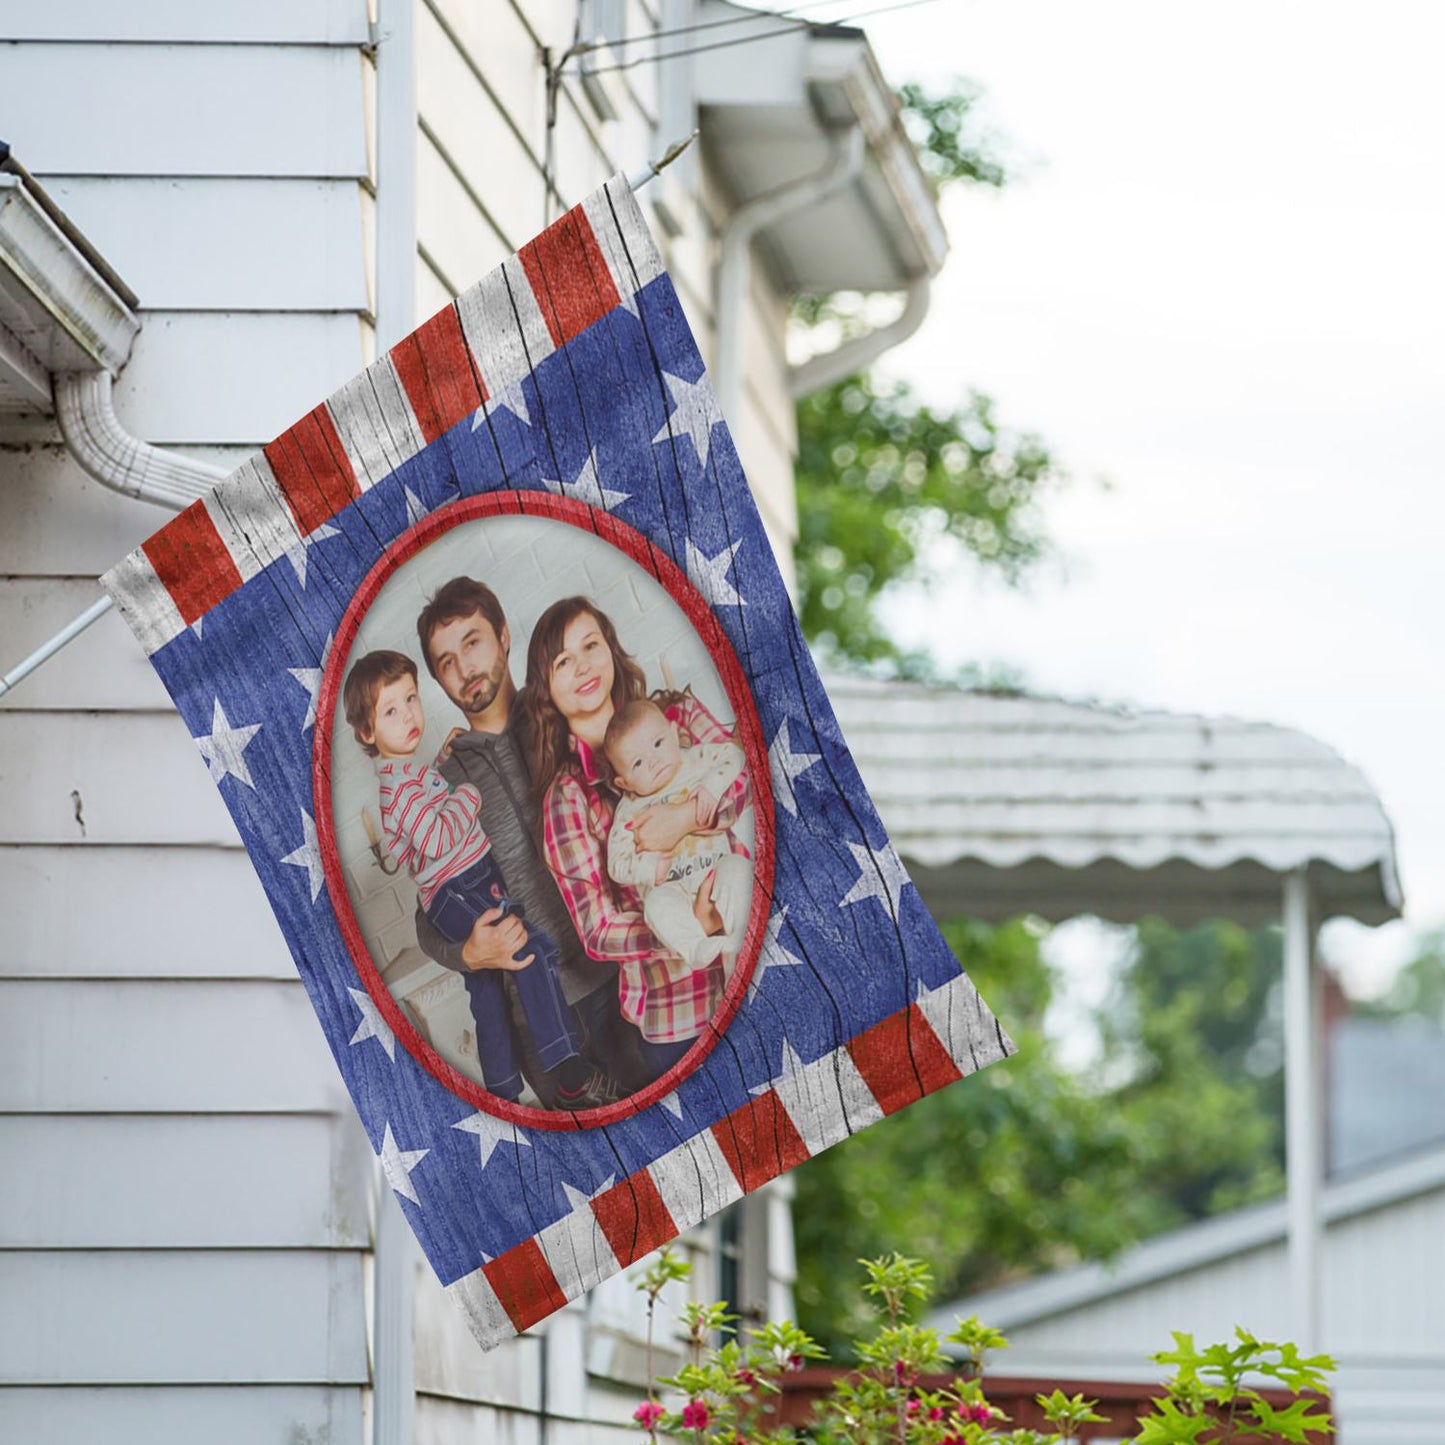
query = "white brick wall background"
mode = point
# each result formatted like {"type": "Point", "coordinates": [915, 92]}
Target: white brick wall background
{"type": "Point", "coordinates": [530, 562]}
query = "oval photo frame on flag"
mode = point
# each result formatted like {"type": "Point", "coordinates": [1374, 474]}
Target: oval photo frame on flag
{"type": "Point", "coordinates": [403, 842]}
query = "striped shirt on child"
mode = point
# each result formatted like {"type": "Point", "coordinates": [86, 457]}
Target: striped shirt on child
{"type": "Point", "coordinates": [432, 832]}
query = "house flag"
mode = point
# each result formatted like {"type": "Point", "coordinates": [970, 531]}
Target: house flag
{"type": "Point", "coordinates": [495, 671]}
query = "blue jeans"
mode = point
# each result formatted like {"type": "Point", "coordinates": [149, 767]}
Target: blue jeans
{"type": "Point", "coordinates": [454, 908]}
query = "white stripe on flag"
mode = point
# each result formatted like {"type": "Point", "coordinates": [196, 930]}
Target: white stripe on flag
{"type": "Point", "coordinates": [577, 1251]}
{"type": "Point", "coordinates": [474, 1296]}
{"type": "Point", "coordinates": [963, 1024]}
{"type": "Point", "coordinates": [827, 1100]}
{"type": "Point", "coordinates": [505, 351]}
{"type": "Point", "coordinates": [252, 517]}
{"type": "Point", "coordinates": [695, 1180]}
{"type": "Point", "coordinates": [375, 423]}
{"type": "Point", "coordinates": [144, 602]}
{"type": "Point", "coordinates": [623, 237]}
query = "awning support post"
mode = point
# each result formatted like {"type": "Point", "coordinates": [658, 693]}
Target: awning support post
{"type": "Point", "coordinates": [1302, 1111]}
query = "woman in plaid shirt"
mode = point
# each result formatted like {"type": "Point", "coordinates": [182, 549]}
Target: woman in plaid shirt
{"type": "Point", "coordinates": [577, 674]}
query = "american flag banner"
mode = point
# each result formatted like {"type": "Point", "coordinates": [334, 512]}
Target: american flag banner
{"type": "Point", "coordinates": [492, 663]}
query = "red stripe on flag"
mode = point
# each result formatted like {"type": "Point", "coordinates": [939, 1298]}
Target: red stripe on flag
{"type": "Point", "coordinates": [435, 367]}
{"type": "Point", "coordinates": [901, 1059]}
{"type": "Point", "coordinates": [192, 562]}
{"type": "Point", "coordinates": [312, 470]}
{"type": "Point", "coordinates": [525, 1284]}
{"type": "Point", "coordinates": [759, 1141]}
{"type": "Point", "coordinates": [634, 1218]}
{"type": "Point", "coordinates": [569, 276]}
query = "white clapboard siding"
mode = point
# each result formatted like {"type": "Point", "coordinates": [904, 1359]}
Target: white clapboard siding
{"type": "Point", "coordinates": [449, 1364]}
{"type": "Point", "coordinates": [182, 1415]}
{"type": "Point", "coordinates": [461, 239]}
{"type": "Point", "coordinates": [185, 110]}
{"type": "Point", "coordinates": [278, 22]}
{"type": "Point", "coordinates": [232, 376]}
{"type": "Point", "coordinates": [182, 1316]}
{"type": "Point", "coordinates": [154, 1182]}
{"type": "Point", "coordinates": [102, 668]}
{"type": "Point", "coordinates": [90, 788]}
{"type": "Point", "coordinates": [110, 1046]}
{"type": "Point", "coordinates": [225, 243]}
{"type": "Point", "coordinates": [58, 522]}
{"type": "Point", "coordinates": [135, 922]}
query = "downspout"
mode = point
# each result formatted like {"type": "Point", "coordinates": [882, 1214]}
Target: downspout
{"type": "Point", "coordinates": [735, 262]}
{"type": "Point", "coordinates": [830, 366]}
{"type": "Point", "coordinates": [96, 439]}
{"type": "Point", "coordinates": [393, 1375]}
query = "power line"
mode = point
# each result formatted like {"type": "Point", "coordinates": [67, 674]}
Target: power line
{"type": "Point", "coordinates": [751, 18]}
{"type": "Point", "coordinates": [750, 39]}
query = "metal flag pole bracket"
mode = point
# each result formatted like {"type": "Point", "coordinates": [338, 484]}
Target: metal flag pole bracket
{"type": "Point", "coordinates": [653, 169]}
{"type": "Point", "coordinates": [48, 649]}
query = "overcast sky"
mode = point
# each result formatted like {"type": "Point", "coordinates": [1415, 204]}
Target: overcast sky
{"type": "Point", "coordinates": [1217, 283]}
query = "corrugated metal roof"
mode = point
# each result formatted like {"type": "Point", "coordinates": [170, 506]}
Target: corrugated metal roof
{"type": "Point", "coordinates": [1003, 803]}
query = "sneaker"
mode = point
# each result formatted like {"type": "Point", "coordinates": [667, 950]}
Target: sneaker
{"type": "Point", "coordinates": [598, 1090]}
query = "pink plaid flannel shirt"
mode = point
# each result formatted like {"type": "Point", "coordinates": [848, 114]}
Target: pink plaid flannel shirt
{"type": "Point", "coordinates": [608, 916]}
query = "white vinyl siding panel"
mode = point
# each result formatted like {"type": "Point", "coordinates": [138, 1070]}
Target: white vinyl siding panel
{"type": "Point", "coordinates": [128, 1046]}
{"type": "Point", "coordinates": [186, 110]}
{"type": "Point", "coordinates": [276, 22]}
{"type": "Point", "coordinates": [182, 1415]}
{"type": "Point", "coordinates": [226, 243]}
{"type": "Point", "coordinates": [233, 377]}
{"type": "Point", "coordinates": [141, 1181]}
{"type": "Point", "coordinates": [121, 931]}
{"type": "Point", "coordinates": [201, 1317]}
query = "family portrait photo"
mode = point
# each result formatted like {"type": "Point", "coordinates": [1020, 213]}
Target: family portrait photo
{"type": "Point", "coordinates": [543, 817]}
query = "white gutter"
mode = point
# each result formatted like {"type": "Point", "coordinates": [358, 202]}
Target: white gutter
{"type": "Point", "coordinates": [735, 263]}
{"type": "Point", "coordinates": [824, 369]}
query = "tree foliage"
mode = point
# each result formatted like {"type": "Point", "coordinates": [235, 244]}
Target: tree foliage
{"type": "Point", "coordinates": [1032, 1167]}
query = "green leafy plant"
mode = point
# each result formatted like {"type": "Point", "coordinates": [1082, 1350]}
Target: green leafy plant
{"type": "Point", "coordinates": [913, 1386]}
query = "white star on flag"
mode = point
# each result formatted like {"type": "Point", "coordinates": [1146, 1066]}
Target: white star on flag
{"type": "Point", "coordinates": [773, 954]}
{"type": "Point", "coordinates": [490, 1132]}
{"type": "Point", "coordinates": [511, 397]}
{"type": "Point", "coordinates": [296, 552]}
{"type": "Point", "coordinates": [586, 488]}
{"type": "Point", "coordinates": [372, 1025]}
{"type": "Point", "coordinates": [791, 1067]}
{"type": "Point", "coordinates": [672, 1103]}
{"type": "Point", "coordinates": [224, 746]}
{"type": "Point", "coordinates": [310, 679]}
{"type": "Point", "coordinates": [580, 1200]}
{"type": "Point", "coordinates": [881, 875]}
{"type": "Point", "coordinates": [787, 766]}
{"type": "Point", "coordinates": [709, 575]}
{"type": "Point", "coordinates": [308, 856]}
{"type": "Point", "coordinates": [414, 509]}
{"type": "Point", "coordinates": [695, 415]}
{"type": "Point", "coordinates": [397, 1165]}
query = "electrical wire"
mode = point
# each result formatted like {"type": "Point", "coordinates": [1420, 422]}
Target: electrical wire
{"type": "Point", "coordinates": [752, 16]}
{"type": "Point", "coordinates": [750, 39]}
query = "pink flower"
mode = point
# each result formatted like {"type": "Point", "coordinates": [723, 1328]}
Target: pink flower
{"type": "Point", "coordinates": [936, 1413]}
{"type": "Point", "coordinates": [695, 1415]}
{"type": "Point", "coordinates": [912, 1407]}
{"type": "Point", "coordinates": [978, 1414]}
{"type": "Point", "coordinates": [745, 1377]}
{"type": "Point", "coordinates": [795, 1362]}
{"type": "Point", "coordinates": [903, 1372]}
{"type": "Point", "coordinates": [648, 1413]}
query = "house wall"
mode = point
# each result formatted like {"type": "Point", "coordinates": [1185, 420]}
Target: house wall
{"type": "Point", "coordinates": [1383, 1318]}
{"type": "Point", "coordinates": [186, 1205]}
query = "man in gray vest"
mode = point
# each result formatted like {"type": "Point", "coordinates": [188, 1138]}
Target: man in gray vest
{"type": "Point", "coordinates": [466, 644]}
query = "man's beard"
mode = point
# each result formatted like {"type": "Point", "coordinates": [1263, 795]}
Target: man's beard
{"type": "Point", "coordinates": [487, 686]}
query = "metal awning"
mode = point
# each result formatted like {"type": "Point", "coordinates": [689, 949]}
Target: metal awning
{"type": "Point", "coordinates": [1004, 804]}
{"type": "Point", "coordinates": [767, 109]}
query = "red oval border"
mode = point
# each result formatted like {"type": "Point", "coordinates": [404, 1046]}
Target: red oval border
{"type": "Point", "coordinates": [747, 733]}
